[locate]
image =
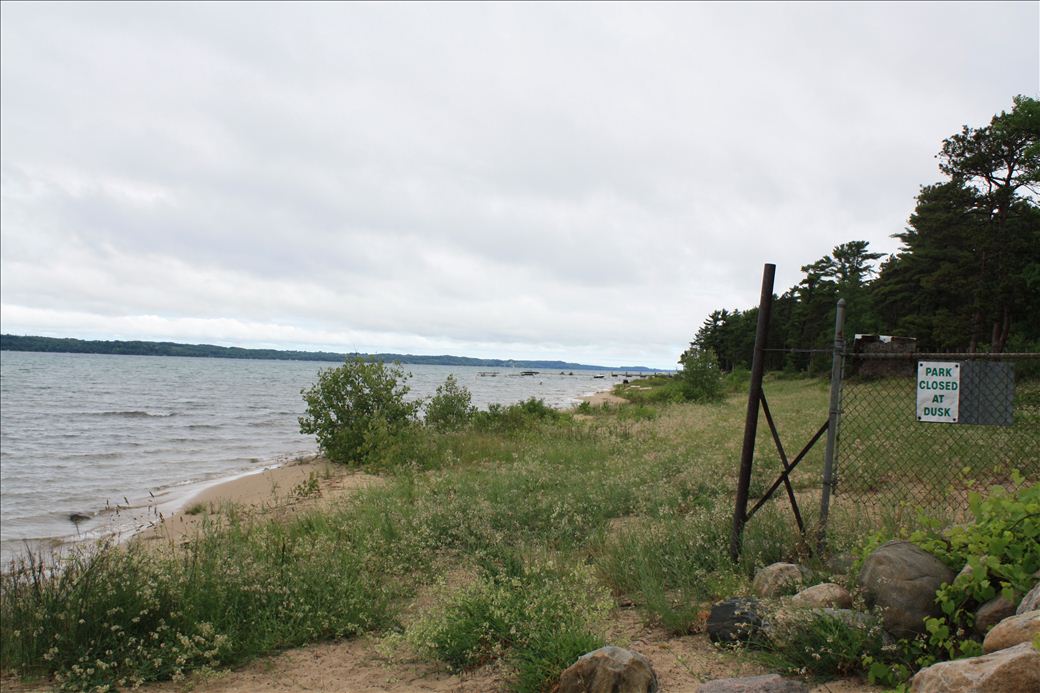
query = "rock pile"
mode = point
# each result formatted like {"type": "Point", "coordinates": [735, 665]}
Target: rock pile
{"type": "Point", "coordinates": [899, 582]}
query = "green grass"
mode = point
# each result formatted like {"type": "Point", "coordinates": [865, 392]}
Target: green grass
{"type": "Point", "coordinates": [554, 516]}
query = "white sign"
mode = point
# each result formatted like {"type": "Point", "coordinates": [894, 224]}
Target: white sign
{"type": "Point", "coordinates": [938, 391]}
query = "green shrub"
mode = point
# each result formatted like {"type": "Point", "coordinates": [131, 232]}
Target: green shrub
{"type": "Point", "coordinates": [546, 655]}
{"type": "Point", "coordinates": [738, 379]}
{"type": "Point", "coordinates": [355, 410]}
{"type": "Point", "coordinates": [700, 376]}
{"type": "Point", "coordinates": [809, 642]}
{"type": "Point", "coordinates": [538, 616]}
{"type": "Point", "coordinates": [450, 408]}
{"type": "Point", "coordinates": [504, 419]}
{"type": "Point", "coordinates": [670, 565]}
{"type": "Point", "coordinates": [1002, 546]}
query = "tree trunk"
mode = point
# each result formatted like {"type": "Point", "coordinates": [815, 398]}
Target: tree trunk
{"type": "Point", "coordinates": [1001, 332]}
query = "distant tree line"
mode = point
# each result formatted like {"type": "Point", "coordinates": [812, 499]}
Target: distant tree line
{"type": "Point", "coordinates": [68, 345]}
{"type": "Point", "coordinates": [967, 277]}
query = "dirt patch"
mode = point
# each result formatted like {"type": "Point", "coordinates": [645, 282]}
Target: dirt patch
{"type": "Point", "coordinates": [353, 666]}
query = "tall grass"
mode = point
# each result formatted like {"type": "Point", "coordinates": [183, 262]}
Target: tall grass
{"type": "Point", "coordinates": [112, 616]}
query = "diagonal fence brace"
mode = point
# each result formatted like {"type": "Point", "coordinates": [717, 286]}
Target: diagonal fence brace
{"type": "Point", "coordinates": [787, 471]}
{"type": "Point", "coordinates": [783, 461]}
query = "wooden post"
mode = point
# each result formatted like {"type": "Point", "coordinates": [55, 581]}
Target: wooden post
{"type": "Point", "coordinates": [747, 455]}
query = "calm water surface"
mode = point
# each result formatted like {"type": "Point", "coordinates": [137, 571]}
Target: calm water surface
{"type": "Point", "coordinates": [120, 439]}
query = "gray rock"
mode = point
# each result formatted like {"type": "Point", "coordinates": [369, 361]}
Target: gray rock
{"type": "Point", "coordinates": [767, 683]}
{"type": "Point", "coordinates": [777, 579]}
{"type": "Point", "coordinates": [824, 595]}
{"type": "Point", "coordinates": [902, 579]}
{"type": "Point", "coordinates": [1012, 631]}
{"type": "Point", "coordinates": [1030, 602]}
{"type": "Point", "coordinates": [609, 670]}
{"type": "Point", "coordinates": [1005, 671]}
{"type": "Point", "coordinates": [993, 612]}
{"type": "Point", "coordinates": [734, 620]}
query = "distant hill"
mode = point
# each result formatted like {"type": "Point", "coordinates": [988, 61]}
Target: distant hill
{"type": "Point", "coordinates": [10, 342]}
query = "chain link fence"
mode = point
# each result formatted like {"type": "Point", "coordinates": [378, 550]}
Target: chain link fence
{"type": "Point", "coordinates": [919, 432]}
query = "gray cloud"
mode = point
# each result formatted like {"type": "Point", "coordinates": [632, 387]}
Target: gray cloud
{"type": "Point", "coordinates": [570, 180]}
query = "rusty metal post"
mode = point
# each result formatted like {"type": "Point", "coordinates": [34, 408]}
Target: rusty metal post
{"type": "Point", "coordinates": [834, 414]}
{"type": "Point", "coordinates": [765, 304]}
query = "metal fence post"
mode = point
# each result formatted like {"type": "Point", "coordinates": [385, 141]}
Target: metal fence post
{"type": "Point", "coordinates": [834, 415]}
{"type": "Point", "coordinates": [765, 304]}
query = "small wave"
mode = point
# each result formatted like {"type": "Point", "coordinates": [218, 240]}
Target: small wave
{"type": "Point", "coordinates": [94, 456]}
{"type": "Point", "coordinates": [196, 427]}
{"type": "Point", "coordinates": [134, 414]}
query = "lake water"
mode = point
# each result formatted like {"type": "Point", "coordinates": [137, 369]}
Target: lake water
{"type": "Point", "coordinates": [119, 438]}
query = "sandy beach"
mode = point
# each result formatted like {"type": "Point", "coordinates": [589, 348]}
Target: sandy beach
{"type": "Point", "coordinates": [598, 399]}
{"type": "Point", "coordinates": [307, 483]}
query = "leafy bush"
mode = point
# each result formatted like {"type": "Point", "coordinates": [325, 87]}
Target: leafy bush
{"type": "Point", "coordinates": [514, 417]}
{"type": "Point", "coordinates": [357, 409]}
{"type": "Point", "coordinates": [1002, 547]}
{"type": "Point", "coordinates": [700, 376]}
{"type": "Point", "coordinates": [450, 408]}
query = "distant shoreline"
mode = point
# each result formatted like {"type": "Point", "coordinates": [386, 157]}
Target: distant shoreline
{"type": "Point", "coordinates": [69, 345]}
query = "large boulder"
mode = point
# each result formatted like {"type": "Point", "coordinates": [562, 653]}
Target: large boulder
{"type": "Point", "coordinates": [767, 683]}
{"type": "Point", "coordinates": [1014, 669]}
{"type": "Point", "coordinates": [993, 612]}
{"type": "Point", "coordinates": [776, 580]}
{"type": "Point", "coordinates": [901, 579]}
{"type": "Point", "coordinates": [824, 595]}
{"type": "Point", "coordinates": [734, 620]}
{"type": "Point", "coordinates": [1030, 602]}
{"type": "Point", "coordinates": [609, 670]}
{"type": "Point", "coordinates": [1012, 631]}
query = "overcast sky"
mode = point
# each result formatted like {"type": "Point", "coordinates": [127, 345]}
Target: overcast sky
{"type": "Point", "coordinates": [575, 181]}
